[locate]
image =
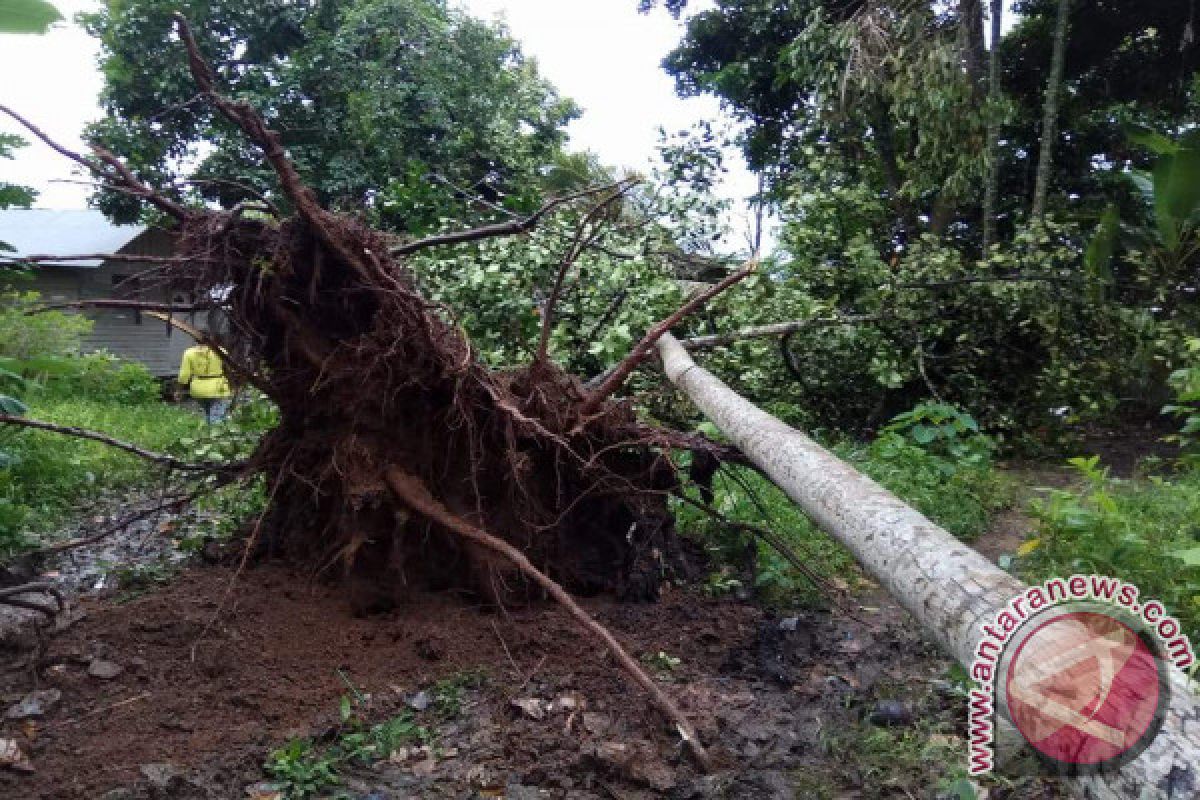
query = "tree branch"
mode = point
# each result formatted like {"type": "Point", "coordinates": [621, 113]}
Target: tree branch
{"type": "Point", "coordinates": [617, 377]}
{"type": "Point", "coordinates": [133, 305]}
{"type": "Point", "coordinates": [512, 228]}
{"type": "Point", "coordinates": [774, 329]}
{"type": "Point", "coordinates": [161, 459]}
{"type": "Point", "coordinates": [110, 168]}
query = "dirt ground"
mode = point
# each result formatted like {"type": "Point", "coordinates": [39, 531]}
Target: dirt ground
{"type": "Point", "coordinates": [774, 698]}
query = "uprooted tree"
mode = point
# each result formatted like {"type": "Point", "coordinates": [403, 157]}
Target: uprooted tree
{"type": "Point", "coordinates": [399, 458]}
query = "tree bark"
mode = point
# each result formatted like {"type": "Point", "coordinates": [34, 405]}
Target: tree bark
{"type": "Point", "coordinates": [950, 589]}
{"type": "Point", "coordinates": [1050, 113]}
{"type": "Point", "coordinates": [993, 130]}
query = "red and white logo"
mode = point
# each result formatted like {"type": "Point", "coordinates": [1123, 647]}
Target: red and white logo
{"type": "Point", "coordinates": [1084, 688]}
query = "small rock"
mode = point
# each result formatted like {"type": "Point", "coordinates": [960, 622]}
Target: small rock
{"type": "Point", "coordinates": [890, 714]}
{"type": "Point", "coordinates": [120, 793]}
{"type": "Point", "coordinates": [530, 706]}
{"type": "Point", "coordinates": [789, 623]}
{"type": "Point", "coordinates": [35, 704]}
{"type": "Point", "coordinates": [137, 664]}
{"type": "Point", "coordinates": [420, 701]}
{"type": "Point", "coordinates": [104, 670]}
{"type": "Point", "coordinates": [13, 758]}
{"type": "Point", "coordinates": [517, 791]}
{"type": "Point", "coordinates": [165, 779]}
{"type": "Point", "coordinates": [596, 723]}
{"type": "Point", "coordinates": [423, 769]}
{"type": "Point", "coordinates": [264, 791]}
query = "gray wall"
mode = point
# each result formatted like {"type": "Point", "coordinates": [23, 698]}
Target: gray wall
{"type": "Point", "coordinates": [124, 333]}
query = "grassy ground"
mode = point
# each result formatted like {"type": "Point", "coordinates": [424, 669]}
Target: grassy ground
{"type": "Point", "coordinates": [1144, 531]}
{"type": "Point", "coordinates": [50, 475]}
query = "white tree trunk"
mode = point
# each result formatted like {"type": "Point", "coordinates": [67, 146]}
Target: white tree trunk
{"type": "Point", "coordinates": [951, 589]}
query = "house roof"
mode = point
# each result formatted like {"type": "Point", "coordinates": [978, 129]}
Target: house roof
{"type": "Point", "coordinates": [39, 231]}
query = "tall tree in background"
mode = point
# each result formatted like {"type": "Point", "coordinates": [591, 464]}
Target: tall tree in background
{"type": "Point", "coordinates": [993, 128]}
{"type": "Point", "coordinates": [1050, 112]}
{"type": "Point", "coordinates": [369, 96]}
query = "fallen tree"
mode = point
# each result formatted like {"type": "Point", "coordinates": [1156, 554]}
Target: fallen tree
{"type": "Point", "coordinates": [400, 459]}
{"type": "Point", "coordinates": [952, 590]}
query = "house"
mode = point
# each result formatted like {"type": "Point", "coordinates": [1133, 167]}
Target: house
{"type": "Point", "coordinates": [129, 334]}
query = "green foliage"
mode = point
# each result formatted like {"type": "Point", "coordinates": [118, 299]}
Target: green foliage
{"type": "Point", "coordinates": [24, 336]}
{"type": "Point", "coordinates": [95, 376]}
{"type": "Point", "coordinates": [431, 90]}
{"type": "Point", "coordinates": [1145, 533]}
{"type": "Point", "coordinates": [27, 16]}
{"type": "Point", "coordinates": [933, 457]}
{"type": "Point", "coordinates": [48, 474]}
{"type": "Point", "coordinates": [13, 195]}
{"type": "Point", "coordinates": [304, 768]}
{"type": "Point", "coordinates": [1186, 383]}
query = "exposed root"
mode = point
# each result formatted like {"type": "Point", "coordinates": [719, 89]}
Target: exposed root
{"type": "Point", "coordinates": [415, 494]}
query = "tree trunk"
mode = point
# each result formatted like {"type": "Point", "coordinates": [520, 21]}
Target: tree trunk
{"type": "Point", "coordinates": [1050, 113]}
{"type": "Point", "coordinates": [993, 131]}
{"type": "Point", "coordinates": [970, 21]}
{"type": "Point", "coordinates": [952, 590]}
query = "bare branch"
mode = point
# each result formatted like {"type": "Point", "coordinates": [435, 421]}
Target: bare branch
{"type": "Point", "coordinates": [161, 459]}
{"type": "Point", "coordinates": [110, 168]}
{"type": "Point", "coordinates": [512, 228]}
{"type": "Point", "coordinates": [622, 371]}
{"type": "Point", "coordinates": [50, 258]}
{"type": "Point", "coordinates": [132, 305]}
{"type": "Point", "coordinates": [774, 329]}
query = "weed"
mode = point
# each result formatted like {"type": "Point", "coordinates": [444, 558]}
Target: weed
{"type": "Point", "coordinates": [1146, 533]}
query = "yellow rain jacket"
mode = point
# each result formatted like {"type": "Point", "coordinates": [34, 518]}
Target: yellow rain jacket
{"type": "Point", "coordinates": [204, 374]}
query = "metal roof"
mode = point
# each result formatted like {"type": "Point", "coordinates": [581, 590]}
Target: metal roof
{"type": "Point", "coordinates": [40, 231]}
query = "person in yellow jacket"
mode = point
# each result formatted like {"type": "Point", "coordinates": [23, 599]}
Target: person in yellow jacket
{"type": "Point", "coordinates": [203, 374]}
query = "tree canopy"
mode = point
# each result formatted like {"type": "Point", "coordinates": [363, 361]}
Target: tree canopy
{"type": "Point", "coordinates": [396, 106]}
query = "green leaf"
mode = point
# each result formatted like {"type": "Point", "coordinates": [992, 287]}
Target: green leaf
{"type": "Point", "coordinates": [1100, 248]}
{"type": "Point", "coordinates": [27, 16]}
{"type": "Point", "coordinates": [1190, 558]}
{"type": "Point", "coordinates": [1150, 139]}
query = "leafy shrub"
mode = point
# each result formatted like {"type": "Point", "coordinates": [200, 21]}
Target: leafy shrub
{"type": "Point", "coordinates": [1145, 533]}
{"type": "Point", "coordinates": [933, 457]}
{"type": "Point", "coordinates": [97, 376]}
{"type": "Point", "coordinates": [1186, 383]}
{"type": "Point", "coordinates": [24, 336]}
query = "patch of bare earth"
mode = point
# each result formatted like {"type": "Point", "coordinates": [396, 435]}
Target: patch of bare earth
{"type": "Point", "coordinates": [192, 716]}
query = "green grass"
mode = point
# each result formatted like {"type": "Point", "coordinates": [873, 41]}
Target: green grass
{"type": "Point", "coordinates": [1145, 532]}
{"type": "Point", "coordinates": [50, 475]}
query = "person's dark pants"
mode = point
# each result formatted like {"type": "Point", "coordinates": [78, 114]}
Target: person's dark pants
{"type": "Point", "coordinates": [215, 408]}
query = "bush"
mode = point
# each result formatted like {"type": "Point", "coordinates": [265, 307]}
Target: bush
{"type": "Point", "coordinates": [1186, 384]}
{"type": "Point", "coordinates": [25, 336]}
{"type": "Point", "coordinates": [932, 457]}
{"type": "Point", "coordinates": [1145, 533]}
{"type": "Point", "coordinates": [96, 376]}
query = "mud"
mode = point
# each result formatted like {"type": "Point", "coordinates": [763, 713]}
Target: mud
{"type": "Point", "coordinates": [203, 703]}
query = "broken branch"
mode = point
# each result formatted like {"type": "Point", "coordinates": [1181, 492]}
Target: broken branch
{"type": "Point", "coordinates": [512, 228]}
{"type": "Point", "coordinates": [774, 329]}
{"type": "Point", "coordinates": [625, 368]}
{"type": "Point", "coordinates": [161, 459]}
